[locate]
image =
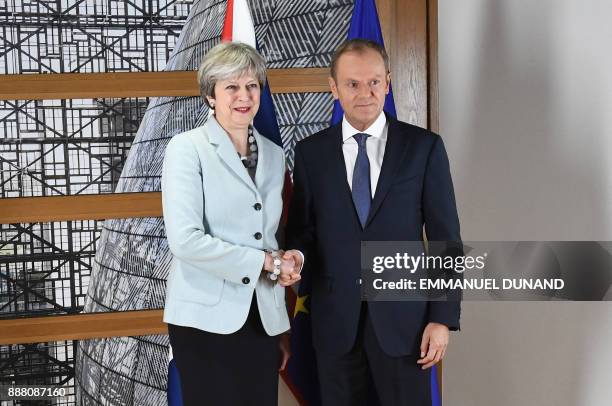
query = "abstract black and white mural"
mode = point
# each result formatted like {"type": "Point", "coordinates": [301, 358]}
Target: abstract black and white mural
{"type": "Point", "coordinates": [115, 145]}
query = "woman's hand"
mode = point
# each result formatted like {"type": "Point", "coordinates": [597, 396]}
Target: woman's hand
{"type": "Point", "coordinates": [285, 348]}
{"type": "Point", "coordinates": [289, 268]}
{"type": "Point", "coordinates": [269, 262]}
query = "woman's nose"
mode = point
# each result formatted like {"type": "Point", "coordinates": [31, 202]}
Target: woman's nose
{"type": "Point", "coordinates": [244, 94]}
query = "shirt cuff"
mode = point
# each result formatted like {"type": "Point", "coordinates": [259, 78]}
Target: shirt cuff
{"type": "Point", "coordinates": [302, 255]}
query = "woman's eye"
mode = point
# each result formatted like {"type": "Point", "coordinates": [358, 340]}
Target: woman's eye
{"type": "Point", "coordinates": [253, 86]}
{"type": "Point", "coordinates": [231, 87]}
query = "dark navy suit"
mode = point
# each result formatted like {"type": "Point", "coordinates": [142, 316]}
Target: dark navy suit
{"type": "Point", "coordinates": [414, 190]}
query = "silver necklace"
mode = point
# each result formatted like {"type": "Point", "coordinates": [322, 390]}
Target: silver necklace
{"type": "Point", "coordinates": [250, 161]}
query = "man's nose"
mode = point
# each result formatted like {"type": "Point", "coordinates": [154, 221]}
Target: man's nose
{"type": "Point", "coordinates": [365, 91]}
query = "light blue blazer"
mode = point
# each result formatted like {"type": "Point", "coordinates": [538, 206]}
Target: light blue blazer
{"type": "Point", "coordinates": [217, 223]}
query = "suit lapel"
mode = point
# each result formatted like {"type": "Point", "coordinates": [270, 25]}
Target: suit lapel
{"type": "Point", "coordinates": [263, 163]}
{"type": "Point", "coordinates": [392, 159]}
{"type": "Point", "coordinates": [338, 169]}
{"type": "Point", "coordinates": [226, 151]}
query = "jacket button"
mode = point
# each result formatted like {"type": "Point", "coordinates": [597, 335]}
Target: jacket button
{"type": "Point", "coordinates": [257, 206]}
{"type": "Point", "coordinates": [257, 236]}
{"type": "Point", "coordinates": [246, 280]}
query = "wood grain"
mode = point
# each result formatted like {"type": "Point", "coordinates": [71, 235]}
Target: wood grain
{"type": "Point", "coordinates": [433, 122]}
{"type": "Point", "coordinates": [142, 84]}
{"type": "Point", "coordinates": [81, 207]}
{"type": "Point", "coordinates": [81, 326]}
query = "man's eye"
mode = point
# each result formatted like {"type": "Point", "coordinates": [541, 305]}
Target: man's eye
{"type": "Point", "coordinates": [375, 82]}
{"type": "Point", "coordinates": [352, 84]}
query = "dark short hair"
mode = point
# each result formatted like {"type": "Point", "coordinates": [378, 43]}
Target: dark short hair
{"type": "Point", "coordinates": [358, 45]}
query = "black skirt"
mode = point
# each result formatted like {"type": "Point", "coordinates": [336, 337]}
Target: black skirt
{"type": "Point", "coordinates": [238, 369]}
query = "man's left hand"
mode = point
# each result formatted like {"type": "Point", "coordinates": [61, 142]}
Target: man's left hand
{"type": "Point", "coordinates": [433, 344]}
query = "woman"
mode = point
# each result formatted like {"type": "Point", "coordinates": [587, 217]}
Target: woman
{"type": "Point", "coordinates": [221, 193]}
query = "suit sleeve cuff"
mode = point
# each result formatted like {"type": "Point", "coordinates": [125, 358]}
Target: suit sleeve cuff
{"type": "Point", "coordinates": [447, 315]}
{"type": "Point", "coordinates": [251, 276]}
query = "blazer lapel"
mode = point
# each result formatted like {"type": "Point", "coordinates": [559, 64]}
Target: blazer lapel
{"type": "Point", "coordinates": [394, 152]}
{"type": "Point", "coordinates": [226, 151]}
{"type": "Point", "coordinates": [263, 163]}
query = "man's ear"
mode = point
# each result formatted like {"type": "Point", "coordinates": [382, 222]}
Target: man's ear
{"type": "Point", "coordinates": [333, 87]}
{"type": "Point", "coordinates": [388, 83]}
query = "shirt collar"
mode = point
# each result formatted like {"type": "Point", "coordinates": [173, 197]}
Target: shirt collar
{"type": "Point", "coordinates": [375, 130]}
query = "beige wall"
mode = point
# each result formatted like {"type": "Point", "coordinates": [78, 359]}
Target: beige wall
{"type": "Point", "coordinates": [285, 397]}
{"type": "Point", "coordinates": [526, 114]}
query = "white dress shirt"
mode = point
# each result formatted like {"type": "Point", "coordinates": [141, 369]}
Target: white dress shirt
{"type": "Point", "coordinates": [375, 147]}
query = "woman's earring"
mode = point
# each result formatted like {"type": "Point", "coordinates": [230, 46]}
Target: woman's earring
{"type": "Point", "coordinates": [212, 105]}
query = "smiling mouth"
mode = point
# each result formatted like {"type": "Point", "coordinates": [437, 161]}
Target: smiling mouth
{"type": "Point", "coordinates": [242, 109]}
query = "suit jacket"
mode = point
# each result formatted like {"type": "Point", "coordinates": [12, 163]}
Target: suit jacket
{"type": "Point", "coordinates": [414, 189]}
{"type": "Point", "coordinates": [217, 223]}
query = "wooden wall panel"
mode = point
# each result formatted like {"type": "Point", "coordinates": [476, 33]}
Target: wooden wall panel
{"type": "Point", "coordinates": [404, 26]}
{"type": "Point", "coordinates": [410, 52]}
{"type": "Point", "coordinates": [410, 31]}
{"type": "Point", "coordinates": [81, 326]}
{"type": "Point", "coordinates": [432, 60]}
{"type": "Point", "coordinates": [142, 84]}
{"type": "Point", "coordinates": [80, 207]}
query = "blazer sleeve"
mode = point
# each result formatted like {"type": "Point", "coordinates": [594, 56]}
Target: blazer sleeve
{"type": "Point", "coordinates": [301, 220]}
{"type": "Point", "coordinates": [441, 224]}
{"type": "Point", "coordinates": [183, 209]}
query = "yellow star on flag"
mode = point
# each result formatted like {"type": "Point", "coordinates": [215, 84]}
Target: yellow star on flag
{"type": "Point", "coordinates": [300, 305]}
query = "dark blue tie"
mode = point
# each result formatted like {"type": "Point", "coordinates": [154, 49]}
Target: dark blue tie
{"type": "Point", "coordinates": [362, 192]}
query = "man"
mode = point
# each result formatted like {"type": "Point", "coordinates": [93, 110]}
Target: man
{"type": "Point", "coordinates": [371, 178]}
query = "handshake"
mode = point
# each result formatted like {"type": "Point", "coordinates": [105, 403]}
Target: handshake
{"type": "Point", "coordinates": [290, 267]}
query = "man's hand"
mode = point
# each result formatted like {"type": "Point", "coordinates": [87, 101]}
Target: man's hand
{"type": "Point", "coordinates": [433, 344]}
{"type": "Point", "coordinates": [293, 276]}
{"type": "Point", "coordinates": [296, 256]}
